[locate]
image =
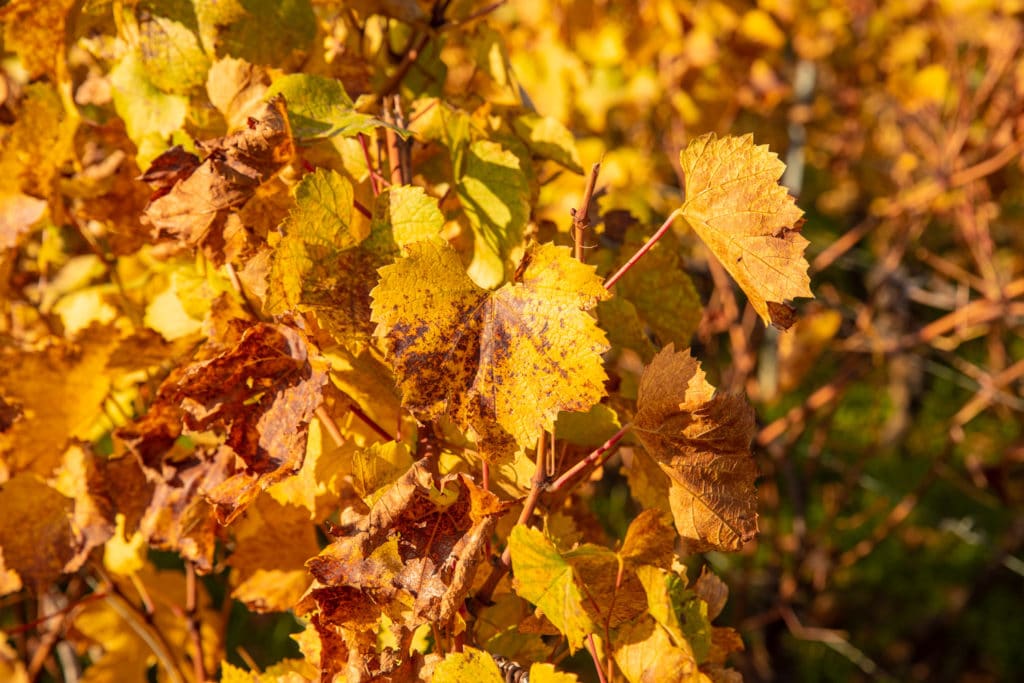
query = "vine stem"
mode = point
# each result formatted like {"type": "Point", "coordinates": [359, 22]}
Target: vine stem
{"type": "Point", "coordinates": [581, 216]}
{"type": "Point", "coordinates": [192, 620]}
{"type": "Point", "coordinates": [592, 458]}
{"type": "Point", "coordinates": [610, 282]}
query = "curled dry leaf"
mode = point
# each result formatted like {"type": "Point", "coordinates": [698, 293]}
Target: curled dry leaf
{"type": "Point", "coordinates": [193, 210]}
{"type": "Point", "coordinates": [736, 206]}
{"type": "Point", "coordinates": [412, 558]}
{"type": "Point", "coordinates": [500, 363]}
{"type": "Point", "coordinates": [701, 440]}
{"type": "Point", "coordinates": [258, 395]}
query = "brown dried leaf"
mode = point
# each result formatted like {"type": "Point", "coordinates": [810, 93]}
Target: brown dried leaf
{"type": "Point", "coordinates": [701, 440]}
{"type": "Point", "coordinates": [258, 394]}
{"type": "Point", "coordinates": [193, 211]}
{"type": "Point", "coordinates": [412, 558]}
{"type": "Point", "coordinates": [36, 517]}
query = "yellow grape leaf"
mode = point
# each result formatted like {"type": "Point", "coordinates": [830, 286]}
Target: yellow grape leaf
{"type": "Point", "coordinates": [35, 31]}
{"type": "Point", "coordinates": [644, 652]}
{"type": "Point", "coordinates": [165, 39]}
{"type": "Point", "coordinates": [701, 440]}
{"type": "Point", "coordinates": [649, 540]}
{"type": "Point", "coordinates": [60, 391]}
{"type": "Point", "coordinates": [12, 668]}
{"type": "Point", "coordinates": [237, 89]}
{"type": "Point", "coordinates": [468, 665]}
{"type": "Point", "coordinates": [547, 580]}
{"type": "Point", "coordinates": [501, 363]}
{"type": "Point", "coordinates": [258, 31]}
{"type": "Point", "coordinates": [750, 222]}
{"type": "Point", "coordinates": [285, 671]}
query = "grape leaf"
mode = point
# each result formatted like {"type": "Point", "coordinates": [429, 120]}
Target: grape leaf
{"type": "Point", "coordinates": [645, 652]}
{"type": "Point", "coordinates": [258, 31]}
{"type": "Point", "coordinates": [750, 222]}
{"type": "Point", "coordinates": [165, 36]}
{"type": "Point", "coordinates": [495, 195]}
{"type": "Point", "coordinates": [193, 211]}
{"type": "Point", "coordinates": [150, 115]}
{"type": "Point", "coordinates": [259, 393]}
{"type": "Point", "coordinates": [30, 30]}
{"type": "Point", "coordinates": [546, 579]}
{"type": "Point", "coordinates": [38, 516]}
{"type": "Point", "coordinates": [237, 88]}
{"type": "Point", "coordinates": [500, 363]}
{"type": "Point", "coordinates": [412, 558]}
{"type": "Point", "coordinates": [319, 107]}
{"type": "Point", "coordinates": [701, 440]}
{"type": "Point", "coordinates": [469, 665]}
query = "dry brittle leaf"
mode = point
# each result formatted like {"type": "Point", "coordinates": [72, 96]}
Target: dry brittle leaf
{"type": "Point", "coordinates": [701, 440]}
{"type": "Point", "coordinates": [750, 222]}
{"type": "Point", "coordinates": [193, 210]}
{"type": "Point", "coordinates": [259, 394]}
{"type": "Point", "coordinates": [412, 558]}
{"type": "Point", "coordinates": [501, 363]}
{"type": "Point", "coordinates": [644, 651]}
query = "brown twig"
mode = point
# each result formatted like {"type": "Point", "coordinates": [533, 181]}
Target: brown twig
{"type": "Point", "coordinates": [594, 457]}
{"type": "Point", "coordinates": [192, 621]}
{"type": "Point", "coordinates": [610, 282]}
{"type": "Point", "coordinates": [411, 55]}
{"type": "Point", "coordinates": [581, 216]}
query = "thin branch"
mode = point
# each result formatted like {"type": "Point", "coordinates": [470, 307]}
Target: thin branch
{"type": "Point", "coordinates": [407, 61]}
{"type": "Point", "coordinates": [581, 216]}
{"type": "Point", "coordinates": [590, 460]}
{"type": "Point", "coordinates": [330, 425]}
{"type": "Point", "coordinates": [192, 621]}
{"type": "Point", "coordinates": [592, 649]}
{"type": "Point", "coordinates": [610, 282]}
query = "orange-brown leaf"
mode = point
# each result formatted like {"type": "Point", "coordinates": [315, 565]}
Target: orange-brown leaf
{"type": "Point", "coordinates": [701, 440]}
{"type": "Point", "coordinates": [193, 210]}
{"type": "Point", "coordinates": [750, 222]}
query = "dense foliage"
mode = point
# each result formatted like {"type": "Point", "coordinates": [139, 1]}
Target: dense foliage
{"type": "Point", "coordinates": [348, 340]}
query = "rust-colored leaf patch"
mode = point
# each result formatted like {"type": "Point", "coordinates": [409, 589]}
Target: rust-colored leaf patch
{"type": "Point", "coordinates": [258, 395]}
{"type": "Point", "coordinates": [192, 210]}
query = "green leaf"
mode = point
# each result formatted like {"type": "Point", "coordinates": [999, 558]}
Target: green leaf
{"type": "Point", "coordinates": [272, 32]}
{"type": "Point", "coordinates": [548, 139]}
{"type": "Point", "coordinates": [547, 580]}
{"type": "Point", "coordinates": [495, 195]}
{"type": "Point", "coordinates": [168, 44]}
{"type": "Point", "coordinates": [468, 665]}
{"type": "Point", "coordinates": [402, 215]}
{"type": "Point", "coordinates": [319, 107]}
{"type": "Point", "coordinates": [150, 115]}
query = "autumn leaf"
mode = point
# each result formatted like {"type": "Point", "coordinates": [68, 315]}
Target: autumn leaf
{"type": "Point", "coordinates": [319, 107]}
{"type": "Point", "coordinates": [259, 394]}
{"type": "Point", "coordinates": [193, 211]}
{"type": "Point", "coordinates": [495, 195]}
{"type": "Point", "coordinates": [469, 665]}
{"type": "Point", "coordinates": [748, 221]}
{"type": "Point", "coordinates": [499, 363]}
{"type": "Point", "coordinates": [549, 581]}
{"type": "Point", "coordinates": [645, 652]}
{"type": "Point", "coordinates": [701, 440]}
{"type": "Point", "coordinates": [411, 558]}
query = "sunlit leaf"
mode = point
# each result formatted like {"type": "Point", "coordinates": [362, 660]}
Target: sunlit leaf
{"type": "Point", "coordinates": [469, 665]}
{"type": "Point", "coordinates": [546, 579]}
{"type": "Point", "coordinates": [500, 363]}
{"type": "Point", "coordinates": [749, 222]}
{"type": "Point", "coordinates": [319, 107]}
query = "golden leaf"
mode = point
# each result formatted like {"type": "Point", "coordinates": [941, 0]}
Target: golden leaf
{"type": "Point", "coordinates": [701, 440]}
{"type": "Point", "coordinates": [750, 222]}
{"type": "Point", "coordinates": [501, 363]}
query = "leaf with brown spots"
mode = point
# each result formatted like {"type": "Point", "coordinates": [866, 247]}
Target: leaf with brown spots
{"type": "Point", "coordinates": [193, 211]}
{"type": "Point", "coordinates": [701, 440]}
{"type": "Point", "coordinates": [750, 222]}
{"type": "Point", "coordinates": [411, 558]}
{"type": "Point", "coordinates": [501, 364]}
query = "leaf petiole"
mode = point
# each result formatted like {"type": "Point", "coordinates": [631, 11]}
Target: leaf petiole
{"type": "Point", "coordinates": [610, 282]}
